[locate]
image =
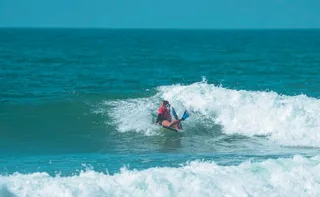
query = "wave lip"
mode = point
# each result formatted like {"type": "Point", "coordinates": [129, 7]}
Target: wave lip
{"type": "Point", "coordinates": [297, 176]}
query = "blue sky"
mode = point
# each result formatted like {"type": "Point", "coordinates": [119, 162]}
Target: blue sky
{"type": "Point", "coordinates": [205, 14]}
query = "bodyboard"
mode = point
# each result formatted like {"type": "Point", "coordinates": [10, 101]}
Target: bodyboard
{"type": "Point", "coordinates": [171, 128]}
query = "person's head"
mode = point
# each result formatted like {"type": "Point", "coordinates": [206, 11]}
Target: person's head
{"type": "Point", "coordinates": [165, 103]}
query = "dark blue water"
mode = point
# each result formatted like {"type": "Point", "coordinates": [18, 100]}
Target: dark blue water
{"type": "Point", "coordinates": [86, 99]}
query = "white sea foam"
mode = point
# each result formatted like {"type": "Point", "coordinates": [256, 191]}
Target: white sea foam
{"type": "Point", "coordinates": [134, 115]}
{"type": "Point", "coordinates": [297, 176]}
{"type": "Point", "coordinates": [288, 120]}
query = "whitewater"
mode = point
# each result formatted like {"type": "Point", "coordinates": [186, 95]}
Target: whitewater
{"type": "Point", "coordinates": [298, 176]}
{"type": "Point", "coordinates": [287, 120]}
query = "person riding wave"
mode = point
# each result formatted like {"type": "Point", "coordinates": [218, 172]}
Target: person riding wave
{"type": "Point", "coordinates": [164, 116]}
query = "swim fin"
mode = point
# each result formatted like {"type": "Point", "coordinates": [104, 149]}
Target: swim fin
{"type": "Point", "coordinates": [174, 114]}
{"type": "Point", "coordinates": [185, 115]}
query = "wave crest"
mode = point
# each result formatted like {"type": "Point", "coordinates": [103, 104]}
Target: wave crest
{"type": "Point", "coordinates": [297, 176]}
{"type": "Point", "coordinates": [288, 120]}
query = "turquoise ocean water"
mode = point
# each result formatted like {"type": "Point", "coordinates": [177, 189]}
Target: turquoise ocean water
{"type": "Point", "coordinates": [77, 108]}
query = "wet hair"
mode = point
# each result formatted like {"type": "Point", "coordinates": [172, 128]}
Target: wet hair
{"type": "Point", "coordinates": [165, 102]}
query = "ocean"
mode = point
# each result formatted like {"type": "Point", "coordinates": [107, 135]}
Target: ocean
{"type": "Point", "coordinates": [77, 112]}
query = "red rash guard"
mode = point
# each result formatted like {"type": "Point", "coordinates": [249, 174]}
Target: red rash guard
{"type": "Point", "coordinates": [165, 113]}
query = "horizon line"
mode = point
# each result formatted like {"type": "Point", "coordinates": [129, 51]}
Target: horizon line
{"type": "Point", "coordinates": [152, 28]}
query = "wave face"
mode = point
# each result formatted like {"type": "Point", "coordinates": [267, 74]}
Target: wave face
{"type": "Point", "coordinates": [288, 120]}
{"type": "Point", "coordinates": [297, 176]}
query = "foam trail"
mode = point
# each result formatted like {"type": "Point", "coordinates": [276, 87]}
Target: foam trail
{"type": "Point", "coordinates": [297, 176]}
{"type": "Point", "coordinates": [288, 120]}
